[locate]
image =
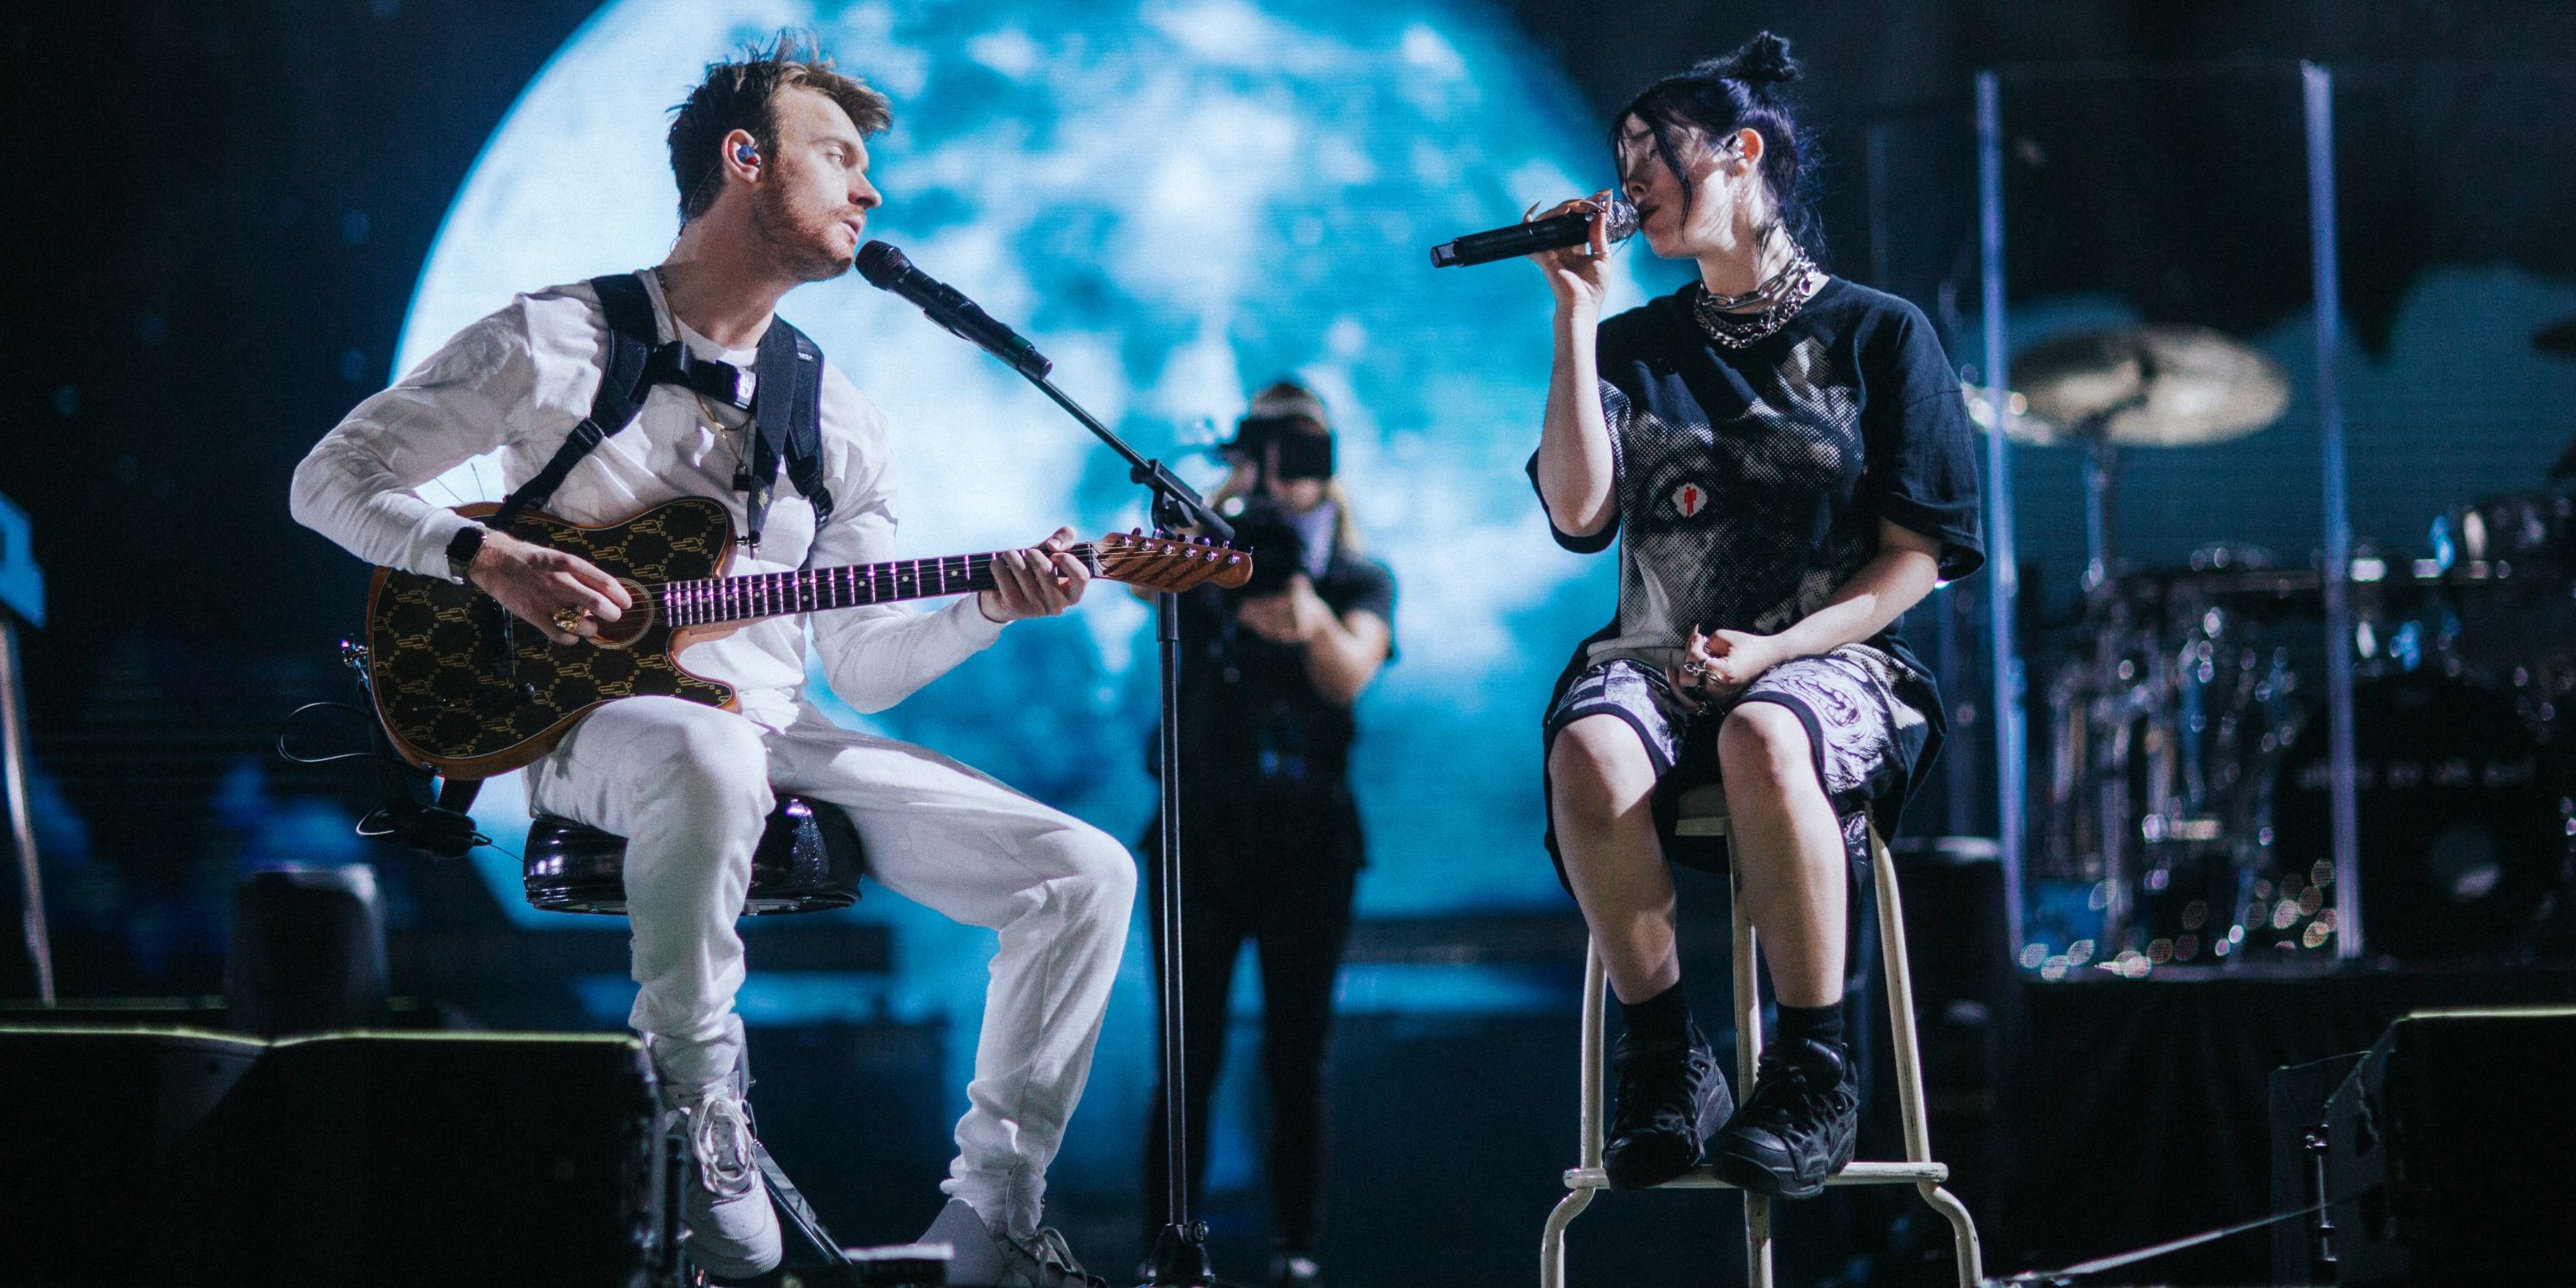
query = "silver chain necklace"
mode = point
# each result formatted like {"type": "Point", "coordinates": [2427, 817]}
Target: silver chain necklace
{"type": "Point", "coordinates": [1778, 299]}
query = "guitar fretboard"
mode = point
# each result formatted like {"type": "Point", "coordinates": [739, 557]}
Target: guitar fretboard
{"type": "Point", "coordinates": [710, 601]}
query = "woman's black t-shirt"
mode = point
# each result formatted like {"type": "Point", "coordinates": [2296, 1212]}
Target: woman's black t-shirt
{"type": "Point", "coordinates": [1750, 482]}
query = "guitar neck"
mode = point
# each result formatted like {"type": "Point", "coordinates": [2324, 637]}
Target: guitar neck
{"type": "Point", "coordinates": [712, 601]}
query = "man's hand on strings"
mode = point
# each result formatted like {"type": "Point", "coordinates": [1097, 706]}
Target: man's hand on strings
{"type": "Point", "coordinates": [566, 597]}
{"type": "Point", "coordinates": [1042, 581]}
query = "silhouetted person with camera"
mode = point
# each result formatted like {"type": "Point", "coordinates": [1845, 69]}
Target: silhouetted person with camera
{"type": "Point", "coordinates": [1271, 843]}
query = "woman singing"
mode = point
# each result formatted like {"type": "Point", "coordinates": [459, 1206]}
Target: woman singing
{"type": "Point", "coordinates": [1789, 458]}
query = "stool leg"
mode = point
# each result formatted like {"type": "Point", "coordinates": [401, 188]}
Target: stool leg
{"type": "Point", "coordinates": [1551, 1243]}
{"type": "Point", "coordinates": [1596, 1022]}
{"type": "Point", "coordinates": [1748, 1054]}
{"type": "Point", "coordinates": [1963, 1233]}
{"type": "Point", "coordinates": [1909, 1057]}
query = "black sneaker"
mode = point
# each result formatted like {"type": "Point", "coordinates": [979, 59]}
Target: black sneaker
{"type": "Point", "coordinates": [1796, 1128]}
{"type": "Point", "coordinates": [1669, 1099]}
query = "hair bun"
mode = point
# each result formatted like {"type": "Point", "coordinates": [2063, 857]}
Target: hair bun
{"type": "Point", "coordinates": [1763, 60]}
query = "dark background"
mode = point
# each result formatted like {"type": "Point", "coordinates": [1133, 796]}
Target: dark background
{"type": "Point", "coordinates": [218, 211]}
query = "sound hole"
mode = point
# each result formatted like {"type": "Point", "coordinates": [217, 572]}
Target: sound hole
{"type": "Point", "coordinates": [638, 618]}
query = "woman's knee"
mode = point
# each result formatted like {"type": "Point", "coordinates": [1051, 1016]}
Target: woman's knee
{"type": "Point", "coordinates": [1762, 742]}
{"type": "Point", "coordinates": [1597, 771]}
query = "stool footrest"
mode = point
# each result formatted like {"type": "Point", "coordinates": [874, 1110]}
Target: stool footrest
{"type": "Point", "coordinates": [1702, 1178]}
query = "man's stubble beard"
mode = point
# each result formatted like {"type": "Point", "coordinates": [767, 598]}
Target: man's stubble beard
{"type": "Point", "coordinates": [796, 249]}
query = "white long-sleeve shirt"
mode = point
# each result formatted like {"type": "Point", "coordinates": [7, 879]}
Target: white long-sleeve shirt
{"type": "Point", "coordinates": [518, 380]}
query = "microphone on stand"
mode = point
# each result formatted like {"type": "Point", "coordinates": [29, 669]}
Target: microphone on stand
{"type": "Point", "coordinates": [1570, 229]}
{"type": "Point", "coordinates": [888, 269]}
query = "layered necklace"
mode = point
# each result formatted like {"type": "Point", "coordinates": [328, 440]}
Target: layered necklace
{"type": "Point", "coordinates": [1734, 321]}
{"type": "Point", "coordinates": [715, 422]}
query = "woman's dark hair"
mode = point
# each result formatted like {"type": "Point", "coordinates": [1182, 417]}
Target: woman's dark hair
{"type": "Point", "coordinates": [1720, 96]}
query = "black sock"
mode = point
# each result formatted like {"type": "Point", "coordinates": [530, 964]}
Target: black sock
{"type": "Point", "coordinates": [1661, 1020]}
{"type": "Point", "coordinates": [1822, 1025]}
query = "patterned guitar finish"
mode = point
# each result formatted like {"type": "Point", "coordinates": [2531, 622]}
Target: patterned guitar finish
{"type": "Point", "coordinates": [446, 705]}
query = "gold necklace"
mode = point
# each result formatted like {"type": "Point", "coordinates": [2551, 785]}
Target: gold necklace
{"type": "Point", "coordinates": [741, 468]}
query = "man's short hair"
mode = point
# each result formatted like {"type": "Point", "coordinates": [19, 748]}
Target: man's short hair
{"type": "Point", "coordinates": [742, 94]}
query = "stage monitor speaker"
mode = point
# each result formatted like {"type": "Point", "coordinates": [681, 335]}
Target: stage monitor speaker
{"type": "Point", "coordinates": [162, 1157]}
{"type": "Point", "coordinates": [2449, 1151]}
{"type": "Point", "coordinates": [125, 1157]}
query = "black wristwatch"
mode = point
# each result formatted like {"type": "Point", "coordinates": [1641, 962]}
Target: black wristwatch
{"type": "Point", "coordinates": [461, 549]}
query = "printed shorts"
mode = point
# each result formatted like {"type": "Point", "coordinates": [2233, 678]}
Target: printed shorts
{"type": "Point", "coordinates": [1862, 709]}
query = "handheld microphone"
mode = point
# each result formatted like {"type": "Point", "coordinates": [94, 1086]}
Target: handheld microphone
{"type": "Point", "coordinates": [887, 269]}
{"type": "Point", "coordinates": [1570, 229]}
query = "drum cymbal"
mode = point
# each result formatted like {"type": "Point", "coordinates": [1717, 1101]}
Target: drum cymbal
{"type": "Point", "coordinates": [2019, 425]}
{"type": "Point", "coordinates": [2152, 386]}
{"type": "Point", "coordinates": [2558, 339]}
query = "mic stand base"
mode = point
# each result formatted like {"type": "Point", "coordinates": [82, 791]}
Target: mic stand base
{"type": "Point", "coordinates": [1180, 1259]}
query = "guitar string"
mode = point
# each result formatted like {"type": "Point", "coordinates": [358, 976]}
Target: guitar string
{"type": "Point", "coordinates": [884, 576]}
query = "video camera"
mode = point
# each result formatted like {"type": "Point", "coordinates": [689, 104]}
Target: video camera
{"type": "Point", "coordinates": [1278, 551]}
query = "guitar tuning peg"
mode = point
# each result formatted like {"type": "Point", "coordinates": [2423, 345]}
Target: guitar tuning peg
{"type": "Point", "coordinates": [1136, 532]}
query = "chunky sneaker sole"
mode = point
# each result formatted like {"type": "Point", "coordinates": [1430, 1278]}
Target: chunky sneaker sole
{"type": "Point", "coordinates": [1757, 1167]}
{"type": "Point", "coordinates": [1644, 1161]}
{"type": "Point", "coordinates": [1797, 1127]}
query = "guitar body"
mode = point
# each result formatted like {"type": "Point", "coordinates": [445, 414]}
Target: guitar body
{"type": "Point", "coordinates": [433, 671]}
{"type": "Point", "coordinates": [433, 681]}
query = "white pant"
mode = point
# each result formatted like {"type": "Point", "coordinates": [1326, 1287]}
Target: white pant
{"type": "Point", "coordinates": [690, 787]}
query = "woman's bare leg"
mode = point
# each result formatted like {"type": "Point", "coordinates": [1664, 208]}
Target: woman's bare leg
{"type": "Point", "coordinates": [1788, 851]}
{"type": "Point", "coordinates": [1601, 787]}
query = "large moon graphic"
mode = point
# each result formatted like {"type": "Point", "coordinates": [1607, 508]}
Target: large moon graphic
{"type": "Point", "coordinates": [1177, 200]}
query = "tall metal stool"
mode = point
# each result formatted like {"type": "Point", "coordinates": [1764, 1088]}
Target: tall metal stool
{"type": "Point", "coordinates": [1703, 813]}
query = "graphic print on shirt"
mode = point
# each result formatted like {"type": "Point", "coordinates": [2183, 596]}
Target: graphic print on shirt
{"type": "Point", "coordinates": [1724, 525]}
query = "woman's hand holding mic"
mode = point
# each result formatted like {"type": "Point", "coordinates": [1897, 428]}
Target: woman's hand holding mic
{"type": "Point", "coordinates": [1576, 272]}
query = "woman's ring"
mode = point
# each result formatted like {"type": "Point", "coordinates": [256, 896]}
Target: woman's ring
{"type": "Point", "coordinates": [566, 619]}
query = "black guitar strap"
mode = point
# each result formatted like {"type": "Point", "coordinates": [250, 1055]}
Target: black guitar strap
{"type": "Point", "coordinates": [787, 424]}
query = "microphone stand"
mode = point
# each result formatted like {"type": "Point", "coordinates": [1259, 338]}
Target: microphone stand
{"type": "Point", "coordinates": [1179, 1258]}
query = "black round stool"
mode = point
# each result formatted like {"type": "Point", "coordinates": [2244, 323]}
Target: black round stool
{"type": "Point", "coordinates": [808, 860]}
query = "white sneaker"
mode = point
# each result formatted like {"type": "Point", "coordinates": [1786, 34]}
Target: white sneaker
{"type": "Point", "coordinates": [732, 1232]}
{"type": "Point", "coordinates": [984, 1258]}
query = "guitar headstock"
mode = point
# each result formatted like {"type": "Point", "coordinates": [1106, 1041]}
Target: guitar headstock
{"type": "Point", "coordinates": [1171, 563]}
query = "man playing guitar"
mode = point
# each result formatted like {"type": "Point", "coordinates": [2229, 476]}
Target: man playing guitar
{"type": "Point", "coordinates": [771, 163]}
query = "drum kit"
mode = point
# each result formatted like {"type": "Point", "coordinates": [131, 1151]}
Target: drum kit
{"type": "Point", "coordinates": [2180, 816]}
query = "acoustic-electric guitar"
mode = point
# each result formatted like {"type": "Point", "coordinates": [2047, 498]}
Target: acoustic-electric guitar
{"type": "Point", "coordinates": [432, 671]}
